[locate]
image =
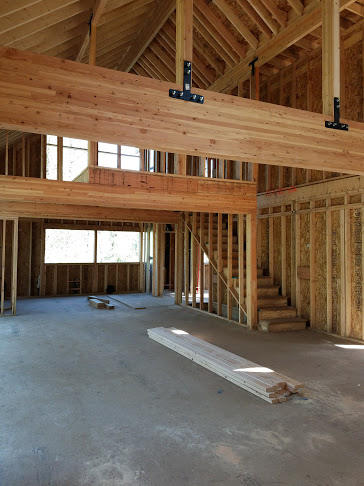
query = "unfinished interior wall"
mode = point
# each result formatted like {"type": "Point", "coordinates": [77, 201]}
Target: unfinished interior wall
{"type": "Point", "coordinates": [324, 254]}
{"type": "Point", "coordinates": [35, 278]}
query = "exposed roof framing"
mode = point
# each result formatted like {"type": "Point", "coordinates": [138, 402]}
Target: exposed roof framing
{"type": "Point", "coordinates": [139, 35]}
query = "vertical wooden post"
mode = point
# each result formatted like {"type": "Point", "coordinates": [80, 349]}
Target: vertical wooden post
{"type": "Point", "coordinates": [141, 262]}
{"type": "Point", "coordinates": [14, 160]}
{"type": "Point", "coordinates": [184, 52]}
{"type": "Point", "coordinates": [211, 253]}
{"type": "Point", "coordinates": [219, 264]}
{"type": "Point", "coordinates": [43, 156]}
{"type": "Point", "coordinates": [95, 283]}
{"type": "Point", "coordinates": [230, 266]}
{"type": "Point", "coordinates": [343, 254]}
{"type": "Point", "coordinates": [142, 165]}
{"type": "Point", "coordinates": [312, 265]}
{"type": "Point", "coordinates": [23, 155]}
{"type": "Point", "coordinates": [259, 241]}
{"type": "Point", "coordinates": [271, 243]}
{"type": "Point", "coordinates": [251, 271]}
{"type": "Point", "coordinates": [328, 266]}
{"type": "Point", "coordinates": [14, 273]}
{"type": "Point", "coordinates": [241, 242]}
{"type": "Point", "coordinates": [284, 251]}
{"type": "Point", "coordinates": [42, 288]}
{"type": "Point", "coordinates": [194, 259]}
{"type": "Point", "coordinates": [7, 152]}
{"type": "Point", "coordinates": [178, 272]}
{"type": "Point", "coordinates": [298, 259]}
{"type": "Point", "coordinates": [293, 256]}
{"type": "Point", "coordinates": [161, 258]}
{"type": "Point", "coordinates": [202, 266]}
{"type": "Point", "coordinates": [155, 263]}
{"type": "Point", "coordinates": [59, 158]}
{"type": "Point", "coordinates": [253, 169]}
{"type": "Point", "coordinates": [348, 270]}
{"type": "Point", "coordinates": [92, 146]}
{"type": "Point", "coordinates": [147, 272]}
{"type": "Point", "coordinates": [27, 172]}
{"type": "Point", "coordinates": [362, 255]}
{"type": "Point", "coordinates": [187, 261]}
{"type": "Point", "coordinates": [330, 54]}
{"type": "Point", "coordinates": [3, 256]}
{"type": "Point", "coordinates": [30, 258]}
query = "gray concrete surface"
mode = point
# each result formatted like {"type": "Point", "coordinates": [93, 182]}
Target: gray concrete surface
{"type": "Point", "coordinates": [88, 399]}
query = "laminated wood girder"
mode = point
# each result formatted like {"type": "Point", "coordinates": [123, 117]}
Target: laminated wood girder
{"type": "Point", "coordinates": [46, 95]}
{"type": "Point", "coordinates": [136, 190]}
{"type": "Point", "coordinates": [93, 213]}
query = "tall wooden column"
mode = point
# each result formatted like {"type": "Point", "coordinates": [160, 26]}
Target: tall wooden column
{"type": "Point", "coordinates": [330, 54]}
{"type": "Point", "coordinates": [92, 146]}
{"type": "Point", "coordinates": [251, 271]}
{"type": "Point", "coordinates": [14, 272]}
{"type": "Point", "coordinates": [178, 272]}
{"type": "Point", "coordinates": [254, 95]}
{"type": "Point", "coordinates": [184, 52]}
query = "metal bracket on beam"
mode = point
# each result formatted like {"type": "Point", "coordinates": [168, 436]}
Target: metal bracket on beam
{"type": "Point", "coordinates": [89, 23]}
{"type": "Point", "coordinates": [336, 125]}
{"type": "Point", "coordinates": [186, 93]}
{"type": "Point", "coordinates": [252, 64]}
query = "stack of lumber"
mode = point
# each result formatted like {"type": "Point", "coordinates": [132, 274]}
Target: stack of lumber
{"type": "Point", "coordinates": [258, 380]}
{"type": "Point", "coordinates": [100, 303]}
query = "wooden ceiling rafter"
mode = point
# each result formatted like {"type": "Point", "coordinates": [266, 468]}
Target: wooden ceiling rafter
{"type": "Point", "coordinates": [97, 11]}
{"type": "Point", "coordinates": [237, 23]}
{"type": "Point", "coordinates": [255, 17]}
{"type": "Point", "coordinates": [217, 29]}
{"type": "Point", "coordinates": [296, 29]}
{"type": "Point", "coordinates": [265, 15]}
{"type": "Point", "coordinates": [147, 34]}
{"type": "Point", "coordinates": [279, 15]}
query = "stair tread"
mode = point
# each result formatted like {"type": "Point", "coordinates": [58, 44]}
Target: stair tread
{"type": "Point", "coordinates": [279, 307]}
{"type": "Point", "coordinates": [282, 320]}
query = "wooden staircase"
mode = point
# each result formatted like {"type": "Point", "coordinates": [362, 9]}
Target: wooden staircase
{"type": "Point", "coordinates": [274, 313]}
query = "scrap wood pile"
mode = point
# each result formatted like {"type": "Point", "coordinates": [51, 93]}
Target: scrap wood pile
{"type": "Point", "coordinates": [100, 303]}
{"type": "Point", "coordinates": [258, 380]}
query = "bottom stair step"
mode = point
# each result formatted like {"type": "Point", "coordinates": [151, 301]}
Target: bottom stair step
{"type": "Point", "coordinates": [283, 324]}
{"type": "Point", "coordinates": [276, 312]}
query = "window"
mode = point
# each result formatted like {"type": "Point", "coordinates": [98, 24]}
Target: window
{"type": "Point", "coordinates": [117, 246]}
{"type": "Point", "coordinates": [51, 172]}
{"type": "Point", "coordinates": [75, 157]}
{"type": "Point", "coordinates": [69, 246]}
{"type": "Point", "coordinates": [130, 158]}
{"type": "Point", "coordinates": [108, 155]}
{"type": "Point", "coordinates": [118, 156]}
{"type": "Point", "coordinates": [78, 246]}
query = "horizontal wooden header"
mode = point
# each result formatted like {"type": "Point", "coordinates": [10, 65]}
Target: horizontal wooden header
{"type": "Point", "coordinates": [41, 94]}
{"type": "Point", "coordinates": [134, 191]}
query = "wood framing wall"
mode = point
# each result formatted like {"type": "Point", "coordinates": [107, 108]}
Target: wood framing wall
{"type": "Point", "coordinates": [312, 243]}
{"type": "Point", "coordinates": [35, 278]}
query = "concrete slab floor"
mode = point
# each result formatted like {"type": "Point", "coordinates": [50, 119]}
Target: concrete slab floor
{"type": "Point", "coordinates": [88, 399]}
